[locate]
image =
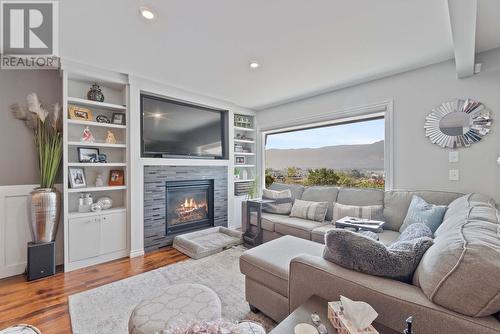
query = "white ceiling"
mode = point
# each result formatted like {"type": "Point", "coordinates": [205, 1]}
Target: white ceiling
{"type": "Point", "coordinates": [304, 46]}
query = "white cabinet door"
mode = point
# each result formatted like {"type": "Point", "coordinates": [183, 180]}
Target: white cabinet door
{"type": "Point", "coordinates": [113, 232]}
{"type": "Point", "coordinates": [83, 238]}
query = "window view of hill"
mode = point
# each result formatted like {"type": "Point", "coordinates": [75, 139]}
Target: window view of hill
{"type": "Point", "coordinates": [350, 163]}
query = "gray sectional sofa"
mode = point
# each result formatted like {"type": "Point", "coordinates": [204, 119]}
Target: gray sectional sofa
{"type": "Point", "coordinates": [456, 286]}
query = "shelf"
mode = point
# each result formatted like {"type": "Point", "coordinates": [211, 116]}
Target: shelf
{"type": "Point", "coordinates": [91, 164]}
{"type": "Point", "coordinates": [80, 143]}
{"type": "Point", "coordinates": [95, 104]}
{"type": "Point", "coordinates": [90, 214]}
{"type": "Point", "coordinates": [91, 123]}
{"type": "Point", "coordinates": [92, 189]}
{"type": "Point", "coordinates": [241, 181]}
{"type": "Point", "coordinates": [243, 166]}
{"type": "Point", "coordinates": [244, 153]}
{"type": "Point", "coordinates": [237, 128]}
{"type": "Point", "coordinates": [244, 141]}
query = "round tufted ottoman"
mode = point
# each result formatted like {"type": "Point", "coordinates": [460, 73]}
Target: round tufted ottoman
{"type": "Point", "coordinates": [174, 306]}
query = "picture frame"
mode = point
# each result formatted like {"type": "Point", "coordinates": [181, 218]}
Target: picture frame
{"type": "Point", "coordinates": [88, 154]}
{"type": "Point", "coordinates": [116, 177]}
{"type": "Point", "coordinates": [80, 113]}
{"type": "Point", "coordinates": [239, 160]}
{"type": "Point", "coordinates": [118, 118]}
{"type": "Point", "coordinates": [102, 119]}
{"type": "Point", "coordinates": [76, 177]}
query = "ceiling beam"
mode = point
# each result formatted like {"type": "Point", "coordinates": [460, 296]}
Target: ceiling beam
{"type": "Point", "coordinates": [463, 14]}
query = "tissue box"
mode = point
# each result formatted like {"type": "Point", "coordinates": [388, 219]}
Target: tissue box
{"type": "Point", "coordinates": [342, 325]}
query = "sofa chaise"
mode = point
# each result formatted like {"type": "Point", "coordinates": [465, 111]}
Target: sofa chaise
{"type": "Point", "coordinates": [455, 288]}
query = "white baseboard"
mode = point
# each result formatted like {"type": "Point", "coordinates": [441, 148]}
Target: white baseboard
{"type": "Point", "coordinates": [136, 253]}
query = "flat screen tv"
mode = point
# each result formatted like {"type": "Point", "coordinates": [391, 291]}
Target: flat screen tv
{"type": "Point", "coordinates": [178, 129]}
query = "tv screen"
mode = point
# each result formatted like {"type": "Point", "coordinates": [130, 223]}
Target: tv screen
{"type": "Point", "coordinates": [178, 129]}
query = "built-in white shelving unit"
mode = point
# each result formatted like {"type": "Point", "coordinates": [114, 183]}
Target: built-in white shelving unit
{"type": "Point", "coordinates": [95, 237]}
{"type": "Point", "coordinates": [244, 154]}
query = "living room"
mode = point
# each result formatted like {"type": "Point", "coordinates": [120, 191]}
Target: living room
{"type": "Point", "coordinates": [221, 162]}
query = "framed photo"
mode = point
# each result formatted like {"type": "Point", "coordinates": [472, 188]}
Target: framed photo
{"type": "Point", "coordinates": [79, 113]}
{"type": "Point", "coordinates": [118, 118]}
{"type": "Point", "coordinates": [77, 177]}
{"type": "Point", "coordinates": [88, 154]}
{"type": "Point", "coordinates": [116, 178]}
{"type": "Point", "coordinates": [239, 160]}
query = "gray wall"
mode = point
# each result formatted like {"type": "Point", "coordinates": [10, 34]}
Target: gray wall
{"type": "Point", "coordinates": [18, 164]}
{"type": "Point", "coordinates": [417, 163]}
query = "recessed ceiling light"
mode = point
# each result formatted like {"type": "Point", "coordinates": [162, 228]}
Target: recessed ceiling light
{"type": "Point", "coordinates": [147, 13]}
{"type": "Point", "coordinates": [254, 65]}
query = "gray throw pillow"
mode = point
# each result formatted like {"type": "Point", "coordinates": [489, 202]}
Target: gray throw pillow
{"type": "Point", "coordinates": [414, 231]}
{"type": "Point", "coordinates": [360, 253]}
{"type": "Point", "coordinates": [309, 210]}
{"type": "Point", "coordinates": [422, 212]}
{"type": "Point", "coordinates": [283, 201]}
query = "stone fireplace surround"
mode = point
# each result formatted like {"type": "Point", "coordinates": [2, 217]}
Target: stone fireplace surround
{"type": "Point", "coordinates": [155, 178]}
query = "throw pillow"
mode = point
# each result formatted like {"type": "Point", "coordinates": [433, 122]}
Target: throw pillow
{"type": "Point", "coordinates": [283, 204]}
{"type": "Point", "coordinates": [374, 212]}
{"type": "Point", "coordinates": [360, 253]}
{"type": "Point", "coordinates": [309, 210]}
{"type": "Point", "coordinates": [414, 231]}
{"type": "Point", "coordinates": [422, 212]}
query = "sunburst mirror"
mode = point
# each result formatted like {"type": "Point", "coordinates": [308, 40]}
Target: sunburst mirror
{"type": "Point", "coordinates": [458, 123]}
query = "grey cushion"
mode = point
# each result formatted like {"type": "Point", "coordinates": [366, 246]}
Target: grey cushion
{"type": "Point", "coordinates": [269, 263]}
{"type": "Point", "coordinates": [386, 237]}
{"type": "Point", "coordinates": [356, 196]}
{"type": "Point", "coordinates": [322, 194]}
{"type": "Point", "coordinates": [420, 211]}
{"type": "Point", "coordinates": [357, 252]}
{"type": "Point", "coordinates": [284, 202]}
{"type": "Point", "coordinates": [296, 189]}
{"type": "Point", "coordinates": [396, 204]}
{"type": "Point", "coordinates": [366, 211]}
{"type": "Point", "coordinates": [309, 210]}
{"type": "Point", "coordinates": [414, 231]}
{"type": "Point", "coordinates": [297, 227]}
{"type": "Point", "coordinates": [461, 270]}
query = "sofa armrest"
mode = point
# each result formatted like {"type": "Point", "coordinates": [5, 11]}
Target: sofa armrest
{"type": "Point", "coordinates": [393, 300]}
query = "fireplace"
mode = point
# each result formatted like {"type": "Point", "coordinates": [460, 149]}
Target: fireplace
{"type": "Point", "coordinates": [189, 205]}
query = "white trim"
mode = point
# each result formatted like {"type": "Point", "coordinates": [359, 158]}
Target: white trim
{"type": "Point", "coordinates": [383, 109]}
{"type": "Point", "coordinates": [136, 253]}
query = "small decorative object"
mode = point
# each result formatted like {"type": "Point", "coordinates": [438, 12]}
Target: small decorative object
{"type": "Point", "coordinates": [99, 180]}
{"type": "Point", "coordinates": [116, 178]}
{"type": "Point", "coordinates": [105, 202]}
{"type": "Point", "coordinates": [102, 119]}
{"type": "Point", "coordinates": [95, 93]}
{"type": "Point", "coordinates": [237, 172]}
{"type": "Point", "coordinates": [87, 154]}
{"type": "Point", "coordinates": [242, 121]}
{"type": "Point", "coordinates": [409, 324]}
{"type": "Point", "coordinates": [118, 118]}
{"type": "Point", "coordinates": [239, 160]}
{"type": "Point", "coordinates": [45, 200]}
{"type": "Point", "coordinates": [352, 317]}
{"type": "Point", "coordinates": [110, 139]}
{"type": "Point", "coordinates": [80, 113]}
{"type": "Point", "coordinates": [85, 202]}
{"type": "Point", "coordinates": [77, 177]}
{"type": "Point", "coordinates": [244, 174]}
{"type": "Point", "coordinates": [95, 207]}
{"type": "Point", "coordinates": [102, 158]}
{"type": "Point", "coordinates": [458, 123]}
{"type": "Point", "coordinates": [87, 135]}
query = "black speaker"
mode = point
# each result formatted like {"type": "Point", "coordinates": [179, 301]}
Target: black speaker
{"type": "Point", "coordinates": [41, 260]}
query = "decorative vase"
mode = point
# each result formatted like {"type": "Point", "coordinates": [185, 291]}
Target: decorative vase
{"type": "Point", "coordinates": [45, 214]}
{"type": "Point", "coordinates": [95, 93]}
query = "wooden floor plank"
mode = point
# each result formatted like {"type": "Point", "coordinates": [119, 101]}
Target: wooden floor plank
{"type": "Point", "coordinates": [44, 303]}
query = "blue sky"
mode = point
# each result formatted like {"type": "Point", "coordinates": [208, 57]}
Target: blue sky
{"type": "Point", "coordinates": [366, 132]}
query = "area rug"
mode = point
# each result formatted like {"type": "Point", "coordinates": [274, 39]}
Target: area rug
{"type": "Point", "coordinates": [106, 309]}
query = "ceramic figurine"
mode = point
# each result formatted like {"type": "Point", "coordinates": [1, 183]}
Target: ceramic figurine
{"type": "Point", "coordinates": [99, 180]}
{"type": "Point", "coordinates": [95, 93]}
{"type": "Point", "coordinates": [87, 135]}
{"type": "Point", "coordinates": [110, 139]}
{"type": "Point", "coordinates": [102, 119]}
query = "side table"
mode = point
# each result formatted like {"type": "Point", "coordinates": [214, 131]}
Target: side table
{"type": "Point", "coordinates": [250, 238]}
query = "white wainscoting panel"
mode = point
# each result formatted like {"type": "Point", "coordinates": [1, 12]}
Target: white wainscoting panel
{"type": "Point", "coordinates": [15, 232]}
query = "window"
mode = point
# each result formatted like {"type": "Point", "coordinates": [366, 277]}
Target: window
{"type": "Point", "coordinates": [343, 154]}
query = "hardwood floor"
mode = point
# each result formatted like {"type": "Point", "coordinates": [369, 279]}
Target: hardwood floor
{"type": "Point", "coordinates": [44, 303]}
